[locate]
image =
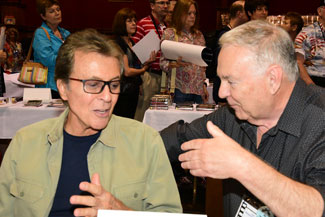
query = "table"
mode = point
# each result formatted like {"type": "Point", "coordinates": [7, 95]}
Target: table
{"type": "Point", "coordinates": [15, 116]}
{"type": "Point", "coordinates": [160, 119]}
{"type": "Point", "coordinates": [14, 88]}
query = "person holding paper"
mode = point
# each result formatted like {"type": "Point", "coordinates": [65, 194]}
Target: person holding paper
{"type": "Point", "coordinates": [3, 57]}
{"type": "Point", "coordinates": [268, 144]}
{"type": "Point", "coordinates": [189, 85]}
{"type": "Point", "coordinates": [48, 38]}
{"type": "Point", "coordinates": [124, 26]}
{"type": "Point", "coordinates": [152, 77]}
{"type": "Point", "coordinates": [87, 158]}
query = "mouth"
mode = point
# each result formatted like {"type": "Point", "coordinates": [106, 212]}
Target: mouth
{"type": "Point", "coordinates": [102, 112]}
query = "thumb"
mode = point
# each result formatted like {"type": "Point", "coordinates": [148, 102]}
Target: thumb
{"type": "Point", "coordinates": [95, 179]}
{"type": "Point", "coordinates": [213, 129]}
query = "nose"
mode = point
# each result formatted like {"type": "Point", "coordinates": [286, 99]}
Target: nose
{"type": "Point", "coordinates": [224, 90]}
{"type": "Point", "coordinates": [106, 94]}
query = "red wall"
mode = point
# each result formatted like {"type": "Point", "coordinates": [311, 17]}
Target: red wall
{"type": "Point", "coordinates": [79, 14]}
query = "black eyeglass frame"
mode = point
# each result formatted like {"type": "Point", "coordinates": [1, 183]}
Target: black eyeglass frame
{"type": "Point", "coordinates": [108, 83]}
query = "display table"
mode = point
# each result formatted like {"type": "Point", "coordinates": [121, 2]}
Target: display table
{"type": "Point", "coordinates": [15, 116]}
{"type": "Point", "coordinates": [160, 119]}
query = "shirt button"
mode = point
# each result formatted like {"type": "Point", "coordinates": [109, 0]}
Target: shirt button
{"type": "Point", "coordinates": [135, 195]}
{"type": "Point", "coordinates": [22, 194]}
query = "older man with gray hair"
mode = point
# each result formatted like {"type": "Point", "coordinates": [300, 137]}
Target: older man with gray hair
{"type": "Point", "coordinates": [268, 143]}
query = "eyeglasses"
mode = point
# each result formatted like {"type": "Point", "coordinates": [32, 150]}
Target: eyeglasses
{"type": "Point", "coordinates": [97, 86]}
{"type": "Point", "coordinates": [162, 3]}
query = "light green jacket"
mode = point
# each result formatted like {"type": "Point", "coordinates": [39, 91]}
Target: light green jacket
{"type": "Point", "coordinates": [129, 156]}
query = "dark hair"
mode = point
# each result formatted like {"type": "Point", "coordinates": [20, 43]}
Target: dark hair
{"type": "Point", "coordinates": [87, 41]}
{"type": "Point", "coordinates": [252, 5]}
{"type": "Point", "coordinates": [295, 19]}
{"type": "Point", "coordinates": [234, 8]}
{"type": "Point", "coordinates": [14, 30]}
{"type": "Point", "coordinates": [152, 1]}
{"type": "Point", "coordinates": [43, 4]}
{"type": "Point", "coordinates": [119, 23]}
{"type": "Point", "coordinates": [181, 8]}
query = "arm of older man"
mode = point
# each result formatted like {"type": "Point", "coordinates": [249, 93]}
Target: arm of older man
{"type": "Point", "coordinates": [99, 199]}
{"type": "Point", "coordinates": [221, 157]}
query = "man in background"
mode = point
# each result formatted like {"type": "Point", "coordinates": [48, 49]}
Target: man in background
{"type": "Point", "coordinates": [310, 50]}
{"type": "Point", "coordinates": [237, 16]}
{"type": "Point", "coordinates": [168, 18]}
{"type": "Point", "coordinates": [152, 78]}
{"type": "Point", "coordinates": [293, 24]}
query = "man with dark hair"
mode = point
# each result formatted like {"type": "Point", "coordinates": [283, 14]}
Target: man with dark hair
{"type": "Point", "coordinates": [237, 16]}
{"type": "Point", "coordinates": [152, 78]}
{"type": "Point", "coordinates": [87, 158]}
{"type": "Point", "coordinates": [310, 50]}
{"type": "Point", "coordinates": [257, 9]}
{"type": "Point", "coordinates": [293, 24]}
{"type": "Point", "coordinates": [268, 144]}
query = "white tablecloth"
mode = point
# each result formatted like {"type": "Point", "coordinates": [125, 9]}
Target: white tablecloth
{"type": "Point", "coordinates": [14, 88]}
{"type": "Point", "coordinates": [160, 119]}
{"type": "Point", "coordinates": [15, 116]}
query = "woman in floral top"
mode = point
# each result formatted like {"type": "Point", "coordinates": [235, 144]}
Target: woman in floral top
{"type": "Point", "coordinates": [189, 84]}
{"type": "Point", "coordinates": [13, 48]}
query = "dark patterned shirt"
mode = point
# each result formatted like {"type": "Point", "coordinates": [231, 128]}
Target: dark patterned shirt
{"type": "Point", "coordinates": [295, 146]}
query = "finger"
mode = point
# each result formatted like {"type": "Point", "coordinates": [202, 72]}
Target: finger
{"type": "Point", "coordinates": [214, 130]}
{"type": "Point", "coordinates": [83, 200]}
{"type": "Point", "coordinates": [95, 179]}
{"type": "Point", "coordinates": [85, 212]}
{"type": "Point", "coordinates": [192, 164]}
{"type": "Point", "coordinates": [92, 188]}
{"type": "Point", "coordinates": [190, 145]}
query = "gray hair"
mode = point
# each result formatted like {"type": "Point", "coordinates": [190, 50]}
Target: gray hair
{"type": "Point", "coordinates": [268, 43]}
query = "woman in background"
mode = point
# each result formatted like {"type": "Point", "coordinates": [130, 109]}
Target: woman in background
{"type": "Point", "coordinates": [189, 85]}
{"type": "Point", "coordinates": [13, 48]}
{"type": "Point", "coordinates": [124, 26]}
{"type": "Point", "coordinates": [48, 39]}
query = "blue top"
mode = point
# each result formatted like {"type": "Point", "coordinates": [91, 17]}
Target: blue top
{"type": "Point", "coordinates": [46, 51]}
{"type": "Point", "coordinates": [74, 169]}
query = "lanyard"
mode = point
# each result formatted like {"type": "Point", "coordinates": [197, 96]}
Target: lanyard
{"type": "Point", "coordinates": [155, 24]}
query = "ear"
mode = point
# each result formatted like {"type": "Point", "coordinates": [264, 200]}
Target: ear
{"type": "Point", "coordinates": [62, 88]}
{"type": "Point", "coordinates": [43, 17]}
{"type": "Point", "coordinates": [151, 6]}
{"type": "Point", "coordinates": [249, 14]}
{"type": "Point", "coordinates": [274, 75]}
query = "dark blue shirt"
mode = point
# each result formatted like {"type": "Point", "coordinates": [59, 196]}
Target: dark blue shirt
{"type": "Point", "coordinates": [74, 169]}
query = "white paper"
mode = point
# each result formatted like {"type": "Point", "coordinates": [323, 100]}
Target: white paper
{"type": "Point", "coordinates": [43, 94]}
{"type": "Point", "coordinates": [14, 79]}
{"type": "Point", "coordinates": [150, 42]}
{"type": "Point", "coordinates": [119, 213]}
{"type": "Point", "coordinates": [190, 53]}
{"type": "Point", "coordinates": [2, 37]}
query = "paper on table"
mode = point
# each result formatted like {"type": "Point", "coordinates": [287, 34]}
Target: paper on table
{"type": "Point", "coordinates": [2, 37]}
{"type": "Point", "coordinates": [190, 53]}
{"type": "Point", "coordinates": [150, 42]}
{"type": "Point", "coordinates": [119, 213]}
{"type": "Point", "coordinates": [14, 79]}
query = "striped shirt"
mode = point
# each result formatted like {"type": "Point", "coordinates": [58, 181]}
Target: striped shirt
{"type": "Point", "coordinates": [310, 42]}
{"type": "Point", "coordinates": [144, 26]}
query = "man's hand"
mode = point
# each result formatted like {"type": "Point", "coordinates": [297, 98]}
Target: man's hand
{"type": "Point", "coordinates": [100, 199]}
{"type": "Point", "coordinates": [217, 157]}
